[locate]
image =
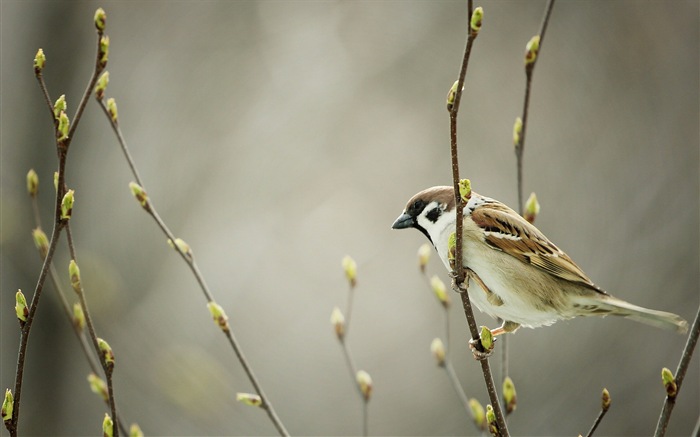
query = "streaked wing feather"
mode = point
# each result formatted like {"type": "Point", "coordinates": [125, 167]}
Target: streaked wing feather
{"type": "Point", "coordinates": [507, 231]}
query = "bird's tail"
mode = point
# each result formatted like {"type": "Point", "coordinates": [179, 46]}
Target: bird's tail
{"type": "Point", "coordinates": [602, 305]}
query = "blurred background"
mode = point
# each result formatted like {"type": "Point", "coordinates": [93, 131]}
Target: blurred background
{"type": "Point", "coordinates": [277, 137]}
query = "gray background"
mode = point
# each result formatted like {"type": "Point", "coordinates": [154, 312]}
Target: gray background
{"type": "Point", "coordinates": [276, 137]}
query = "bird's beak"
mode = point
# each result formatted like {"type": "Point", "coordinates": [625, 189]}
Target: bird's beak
{"type": "Point", "coordinates": [404, 221]}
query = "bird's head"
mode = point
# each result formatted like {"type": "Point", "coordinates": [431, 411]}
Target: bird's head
{"type": "Point", "coordinates": [432, 211]}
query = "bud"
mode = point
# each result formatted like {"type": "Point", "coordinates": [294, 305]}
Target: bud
{"type": "Point", "coordinates": [438, 351]}
{"type": "Point", "coordinates": [107, 353]}
{"type": "Point", "coordinates": [32, 183]}
{"type": "Point", "coordinates": [509, 395]}
{"type": "Point", "coordinates": [67, 204]}
{"type": "Point", "coordinates": [440, 291]}
{"type": "Point", "coordinates": [41, 242]}
{"type": "Point", "coordinates": [669, 382]}
{"type": "Point", "coordinates": [21, 307]}
{"type": "Point", "coordinates": [517, 130]}
{"type": "Point", "coordinates": [55, 181]}
{"type": "Point", "coordinates": [74, 273]}
{"type": "Point", "coordinates": [100, 19]}
{"type": "Point", "coordinates": [112, 109]}
{"type": "Point", "coordinates": [104, 51]}
{"type": "Point", "coordinates": [606, 400]}
{"type": "Point", "coordinates": [338, 322]}
{"type": "Point", "coordinates": [478, 413]}
{"type": "Point", "coordinates": [531, 50]}
{"type": "Point", "coordinates": [59, 106]}
{"type": "Point", "coordinates": [452, 95]}
{"type": "Point", "coordinates": [63, 126]}
{"type": "Point", "coordinates": [423, 256]}
{"type": "Point", "coordinates": [140, 195]}
{"type": "Point", "coordinates": [182, 246]}
{"type": "Point", "coordinates": [465, 189]}
{"type": "Point", "coordinates": [107, 426]}
{"type": "Point", "coordinates": [219, 316]}
{"type": "Point", "coordinates": [364, 382]}
{"type": "Point", "coordinates": [475, 22]}
{"type": "Point", "coordinates": [135, 431]}
{"type": "Point", "coordinates": [350, 268]}
{"type": "Point", "coordinates": [491, 420]}
{"type": "Point", "coordinates": [98, 386]}
{"type": "Point", "coordinates": [7, 406]}
{"type": "Point", "coordinates": [101, 86]}
{"type": "Point", "coordinates": [78, 317]}
{"type": "Point", "coordinates": [39, 61]}
{"type": "Point", "coordinates": [451, 248]}
{"type": "Point", "coordinates": [486, 338]}
{"type": "Point", "coordinates": [249, 399]}
{"type": "Point", "coordinates": [532, 208]}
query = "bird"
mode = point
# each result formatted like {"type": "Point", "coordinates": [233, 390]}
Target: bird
{"type": "Point", "coordinates": [522, 278]}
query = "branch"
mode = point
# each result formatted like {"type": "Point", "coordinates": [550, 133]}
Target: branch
{"type": "Point", "coordinates": [670, 401]}
{"type": "Point", "coordinates": [187, 255]}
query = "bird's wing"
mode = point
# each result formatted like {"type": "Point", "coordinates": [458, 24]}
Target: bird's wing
{"type": "Point", "coordinates": [506, 230]}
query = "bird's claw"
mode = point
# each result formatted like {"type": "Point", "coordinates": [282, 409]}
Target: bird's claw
{"type": "Point", "coordinates": [479, 355]}
{"type": "Point", "coordinates": [459, 287]}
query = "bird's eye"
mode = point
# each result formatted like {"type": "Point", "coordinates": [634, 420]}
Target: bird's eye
{"type": "Point", "coordinates": [433, 214]}
{"type": "Point", "coordinates": [416, 208]}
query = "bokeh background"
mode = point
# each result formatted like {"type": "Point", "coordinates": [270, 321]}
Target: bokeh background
{"type": "Point", "coordinates": [277, 137]}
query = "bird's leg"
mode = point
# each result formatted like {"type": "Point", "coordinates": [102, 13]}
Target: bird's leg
{"type": "Point", "coordinates": [492, 297]}
{"type": "Point", "coordinates": [459, 287]}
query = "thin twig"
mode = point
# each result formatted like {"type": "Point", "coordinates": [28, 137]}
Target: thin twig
{"type": "Point", "coordinates": [597, 421]}
{"type": "Point", "coordinates": [670, 402]}
{"type": "Point", "coordinates": [459, 272]}
{"type": "Point", "coordinates": [190, 261]}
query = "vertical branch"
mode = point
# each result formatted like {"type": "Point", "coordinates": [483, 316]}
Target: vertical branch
{"type": "Point", "coordinates": [459, 274]}
{"type": "Point", "coordinates": [687, 354]}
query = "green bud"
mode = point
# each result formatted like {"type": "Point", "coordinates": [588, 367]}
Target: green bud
{"type": "Point", "coordinates": [182, 246]}
{"type": "Point", "coordinates": [98, 386]}
{"type": "Point", "coordinates": [21, 307]}
{"type": "Point", "coordinates": [338, 322]}
{"type": "Point", "coordinates": [478, 413]}
{"type": "Point", "coordinates": [107, 353]}
{"type": "Point", "coordinates": [63, 126]}
{"type": "Point", "coordinates": [424, 256]}
{"type": "Point", "coordinates": [67, 204]}
{"type": "Point", "coordinates": [509, 395]}
{"type": "Point", "coordinates": [59, 106]}
{"type": "Point", "coordinates": [7, 406]}
{"type": "Point", "coordinates": [491, 420]}
{"type": "Point", "coordinates": [112, 109]}
{"type": "Point", "coordinates": [55, 181]}
{"type": "Point", "coordinates": [605, 404]}
{"type": "Point", "coordinates": [517, 130]}
{"type": "Point", "coordinates": [39, 61]}
{"type": "Point", "coordinates": [452, 95]}
{"type": "Point", "coordinates": [104, 51]}
{"type": "Point", "coordinates": [440, 291]}
{"type": "Point", "coordinates": [364, 382]}
{"type": "Point", "coordinates": [437, 348]}
{"type": "Point", "coordinates": [669, 382]}
{"type": "Point", "coordinates": [451, 248]}
{"type": "Point", "coordinates": [74, 273]}
{"type": "Point", "coordinates": [135, 431]}
{"type": "Point", "coordinates": [100, 19]}
{"type": "Point", "coordinates": [101, 85]}
{"type": "Point", "coordinates": [41, 242]}
{"type": "Point", "coordinates": [219, 315]}
{"type": "Point", "coordinates": [249, 399]}
{"type": "Point", "coordinates": [531, 50]}
{"type": "Point", "coordinates": [107, 426]}
{"type": "Point", "coordinates": [475, 22]}
{"type": "Point", "coordinates": [350, 269]}
{"type": "Point", "coordinates": [140, 195]}
{"type": "Point", "coordinates": [465, 189]}
{"type": "Point", "coordinates": [486, 338]}
{"type": "Point", "coordinates": [532, 208]}
{"type": "Point", "coordinates": [78, 317]}
{"type": "Point", "coordinates": [32, 183]}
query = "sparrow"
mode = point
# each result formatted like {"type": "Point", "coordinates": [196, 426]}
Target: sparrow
{"type": "Point", "coordinates": [522, 277]}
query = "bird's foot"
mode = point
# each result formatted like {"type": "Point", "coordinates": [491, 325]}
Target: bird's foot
{"type": "Point", "coordinates": [459, 286]}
